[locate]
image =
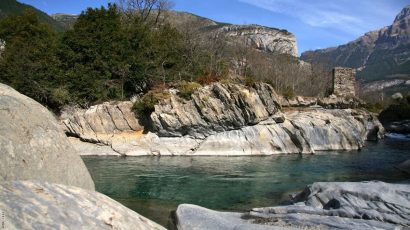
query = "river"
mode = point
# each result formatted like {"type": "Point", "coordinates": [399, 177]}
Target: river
{"type": "Point", "coordinates": [154, 186]}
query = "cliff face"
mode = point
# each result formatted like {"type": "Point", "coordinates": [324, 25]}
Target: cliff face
{"type": "Point", "coordinates": [269, 40]}
{"type": "Point", "coordinates": [229, 120]}
{"type": "Point", "coordinates": [377, 55]}
{"type": "Point", "coordinates": [262, 38]}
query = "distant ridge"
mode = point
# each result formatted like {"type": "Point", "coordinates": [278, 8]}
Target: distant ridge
{"type": "Point", "coordinates": [13, 7]}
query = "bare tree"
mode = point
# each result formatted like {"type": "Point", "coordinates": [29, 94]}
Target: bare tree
{"type": "Point", "coordinates": [146, 10]}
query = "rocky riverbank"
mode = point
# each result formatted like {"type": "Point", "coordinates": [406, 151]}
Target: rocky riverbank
{"type": "Point", "coordinates": [44, 183]}
{"type": "Point", "coordinates": [223, 119]}
{"type": "Point", "coordinates": [332, 205]}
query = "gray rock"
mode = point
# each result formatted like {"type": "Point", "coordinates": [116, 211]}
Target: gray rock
{"type": "Point", "coordinates": [213, 109]}
{"type": "Point", "coordinates": [404, 166]}
{"type": "Point", "coordinates": [100, 123]}
{"type": "Point", "coordinates": [35, 205]}
{"type": "Point", "coordinates": [304, 131]}
{"type": "Point", "coordinates": [266, 39]}
{"type": "Point", "coordinates": [398, 127]}
{"type": "Point", "coordinates": [32, 145]}
{"type": "Point", "coordinates": [397, 96]}
{"type": "Point", "coordinates": [332, 205]}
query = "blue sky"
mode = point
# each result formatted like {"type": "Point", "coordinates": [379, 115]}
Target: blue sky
{"type": "Point", "coordinates": [316, 23]}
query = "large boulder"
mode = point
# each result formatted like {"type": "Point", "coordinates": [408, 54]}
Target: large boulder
{"type": "Point", "coordinates": [331, 205]}
{"type": "Point", "coordinates": [32, 145]}
{"type": "Point", "coordinates": [35, 205]}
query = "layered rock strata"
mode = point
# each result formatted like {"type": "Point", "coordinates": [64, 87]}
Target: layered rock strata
{"type": "Point", "coordinates": [232, 120]}
{"type": "Point", "coordinates": [332, 205]}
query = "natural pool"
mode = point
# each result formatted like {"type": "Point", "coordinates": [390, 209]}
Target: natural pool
{"type": "Point", "coordinates": [154, 186]}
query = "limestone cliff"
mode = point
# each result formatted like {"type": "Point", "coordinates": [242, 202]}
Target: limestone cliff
{"type": "Point", "coordinates": [230, 120]}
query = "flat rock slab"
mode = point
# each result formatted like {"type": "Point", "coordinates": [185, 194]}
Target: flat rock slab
{"type": "Point", "coordinates": [35, 205]}
{"type": "Point", "coordinates": [333, 205]}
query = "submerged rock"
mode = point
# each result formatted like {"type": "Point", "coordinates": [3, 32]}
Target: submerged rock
{"type": "Point", "coordinates": [32, 145]}
{"type": "Point", "coordinates": [34, 205]}
{"type": "Point", "coordinates": [330, 205]}
{"type": "Point", "coordinates": [402, 127]}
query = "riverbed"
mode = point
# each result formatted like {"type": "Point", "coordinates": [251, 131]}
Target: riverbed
{"type": "Point", "coordinates": [154, 186]}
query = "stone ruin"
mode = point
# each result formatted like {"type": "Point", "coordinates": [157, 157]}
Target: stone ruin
{"type": "Point", "coordinates": [344, 82]}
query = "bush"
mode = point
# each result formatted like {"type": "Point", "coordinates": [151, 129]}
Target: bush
{"type": "Point", "coordinates": [288, 93]}
{"type": "Point", "coordinates": [249, 81]}
{"type": "Point", "coordinates": [146, 105]}
{"type": "Point", "coordinates": [375, 108]}
{"type": "Point", "coordinates": [208, 79]}
{"type": "Point", "coordinates": [187, 88]}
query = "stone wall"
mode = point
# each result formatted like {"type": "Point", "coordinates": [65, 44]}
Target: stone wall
{"type": "Point", "coordinates": [344, 81]}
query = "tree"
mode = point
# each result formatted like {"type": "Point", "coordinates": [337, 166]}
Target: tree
{"type": "Point", "coordinates": [29, 62]}
{"type": "Point", "coordinates": [145, 10]}
{"type": "Point", "coordinates": [93, 55]}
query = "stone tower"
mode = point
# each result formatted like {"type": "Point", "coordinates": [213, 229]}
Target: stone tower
{"type": "Point", "coordinates": [344, 82]}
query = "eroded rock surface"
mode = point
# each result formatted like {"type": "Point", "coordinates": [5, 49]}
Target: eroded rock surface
{"type": "Point", "coordinates": [100, 123]}
{"type": "Point", "coordinates": [34, 205]}
{"type": "Point", "coordinates": [32, 145]}
{"type": "Point", "coordinates": [331, 205]}
{"type": "Point", "coordinates": [229, 119]}
{"type": "Point", "coordinates": [213, 109]}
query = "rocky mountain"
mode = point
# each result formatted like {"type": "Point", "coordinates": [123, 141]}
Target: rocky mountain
{"type": "Point", "coordinates": [13, 7]}
{"type": "Point", "coordinates": [269, 40]}
{"type": "Point", "coordinates": [382, 55]}
{"type": "Point", "coordinates": [65, 20]}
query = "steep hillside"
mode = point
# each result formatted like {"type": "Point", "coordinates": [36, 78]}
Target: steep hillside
{"type": "Point", "coordinates": [269, 40]}
{"type": "Point", "coordinates": [382, 55]}
{"type": "Point", "coordinates": [13, 7]}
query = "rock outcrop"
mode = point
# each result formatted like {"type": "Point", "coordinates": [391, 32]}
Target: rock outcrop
{"type": "Point", "coordinates": [100, 123]}
{"type": "Point", "coordinates": [35, 205]}
{"type": "Point", "coordinates": [332, 205]}
{"type": "Point", "coordinates": [32, 145]}
{"type": "Point", "coordinates": [224, 119]}
{"type": "Point", "coordinates": [266, 39]}
{"type": "Point", "coordinates": [402, 127]}
{"type": "Point", "coordinates": [214, 109]}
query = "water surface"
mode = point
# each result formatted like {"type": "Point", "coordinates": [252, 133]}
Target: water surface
{"type": "Point", "coordinates": [154, 186]}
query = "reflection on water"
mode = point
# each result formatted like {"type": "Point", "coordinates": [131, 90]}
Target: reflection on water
{"type": "Point", "coordinates": [154, 186]}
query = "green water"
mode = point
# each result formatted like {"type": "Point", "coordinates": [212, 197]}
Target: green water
{"type": "Point", "coordinates": [154, 186]}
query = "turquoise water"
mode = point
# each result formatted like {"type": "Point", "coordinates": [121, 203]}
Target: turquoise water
{"type": "Point", "coordinates": [154, 186]}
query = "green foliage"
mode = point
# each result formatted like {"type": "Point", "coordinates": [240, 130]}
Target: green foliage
{"type": "Point", "coordinates": [288, 93]}
{"type": "Point", "coordinates": [374, 107]}
{"type": "Point", "coordinates": [146, 105]}
{"type": "Point", "coordinates": [13, 7]}
{"type": "Point", "coordinates": [187, 88]}
{"type": "Point", "coordinates": [249, 81]}
{"type": "Point", "coordinates": [29, 62]}
{"type": "Point", "coordinates": [103, 57]}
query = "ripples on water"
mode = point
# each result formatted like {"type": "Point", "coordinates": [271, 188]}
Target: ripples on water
{"type": "Point", "coordinates": [154, 186]}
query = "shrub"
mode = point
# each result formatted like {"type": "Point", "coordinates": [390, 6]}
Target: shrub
{"type": "Point", "coordinates": [288, 93]}
{"type": "Point", "coordinates": [146, 105]}
{"type": "Point", "coordinates": [208, 79]}
{"type": "Point", "coordinates": [187, 88]}
{"type": "Point", "coordinates": [249, 81]}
